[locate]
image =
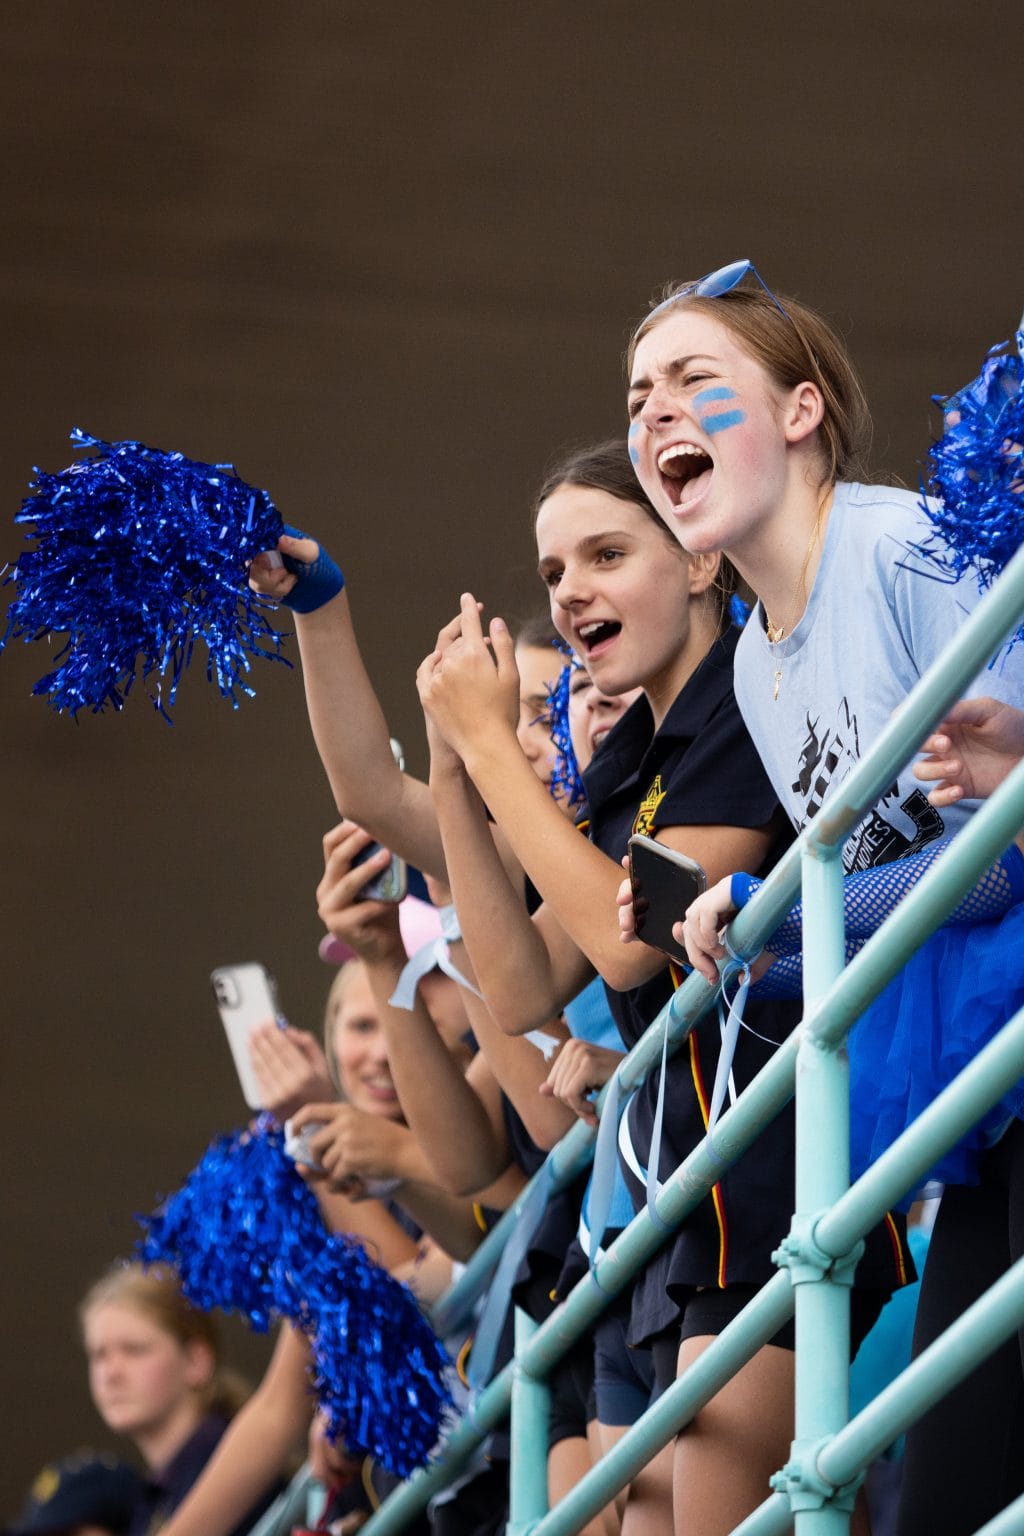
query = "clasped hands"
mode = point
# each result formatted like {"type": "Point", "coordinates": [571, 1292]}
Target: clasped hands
{"type": "Point", "coordinates": [469, 683]}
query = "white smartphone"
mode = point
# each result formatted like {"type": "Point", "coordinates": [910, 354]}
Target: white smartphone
{"type": "Point", "coordinates": [246, 998]}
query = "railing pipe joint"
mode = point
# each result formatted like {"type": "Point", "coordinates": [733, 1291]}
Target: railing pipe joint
{"type": "Point", "coordinates": [813, 1034]}
{"type": "Point", "coordinates": [807, 1262]}
{"type": "Point", "coordinates": [823, 843]}
{"type": "Point", "coordinates": [804, 1486]}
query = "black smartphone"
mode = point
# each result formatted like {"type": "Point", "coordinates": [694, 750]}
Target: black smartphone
{"type": "Point", "coordinates": [664, 883]}
{"type": "Point", "coordinates": [392, 884]}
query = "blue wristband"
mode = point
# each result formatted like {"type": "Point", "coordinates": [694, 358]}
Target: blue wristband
{"type": "Point", "coordinates": [316, 584]}
{"type": "Point", "coordinates": [741, 888]}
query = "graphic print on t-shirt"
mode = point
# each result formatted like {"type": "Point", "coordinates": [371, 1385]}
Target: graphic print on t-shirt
{"type": "Point", "coordinates": [828, 756]}
{"type": "Point", "coordinates": [644, 821]}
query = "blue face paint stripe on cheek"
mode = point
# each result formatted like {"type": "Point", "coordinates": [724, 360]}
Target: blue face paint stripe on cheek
{"type": "Point", "coordinates": [634, 433]}
{"type": "Point", "coordinates": [712, 424]}
{"type": "Point", "coordinates": [711, 396]}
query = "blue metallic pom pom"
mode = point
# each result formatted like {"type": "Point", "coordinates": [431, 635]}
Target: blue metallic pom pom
{"type": "Point", "coordinates": [566, 782]}
{"type": "Point", "coordinates": [976, 472]}
{"type": "Point", "coordinates": [140, 554]}
{"type": "Point", "coordinates": [232, 1229]}
{"type": "Point", "coordinates": [379, 1370]}
{"type": "Point", "coordinates": [244, 1233]}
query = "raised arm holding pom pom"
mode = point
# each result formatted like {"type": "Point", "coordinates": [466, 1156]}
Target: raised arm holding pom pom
{"type": "Point", "coordinates": [348, 724]}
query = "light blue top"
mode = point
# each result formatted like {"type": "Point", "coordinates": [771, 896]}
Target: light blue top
{"type": "Point", "coordinates": [589, 1018]}
{"type": "Point", "coordinates": [878, 615]}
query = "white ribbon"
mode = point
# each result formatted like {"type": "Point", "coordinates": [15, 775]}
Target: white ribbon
{"type": "Point", "coordinates": [430, 956]}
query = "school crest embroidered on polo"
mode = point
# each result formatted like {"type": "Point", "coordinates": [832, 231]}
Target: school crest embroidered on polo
{"type": "Point", "coordinates": [648, 807]}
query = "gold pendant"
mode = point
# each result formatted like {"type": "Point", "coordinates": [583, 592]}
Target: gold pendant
{"type": "Point", "coordinates": [778, 680]}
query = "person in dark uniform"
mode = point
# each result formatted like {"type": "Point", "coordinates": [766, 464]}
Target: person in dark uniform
{"type": "Point", "coordinates": [81, 1495]}
{"type": "Point", "coordinates": [156, 1375]}
{"type": "Point", "coordinates": [680, 767]}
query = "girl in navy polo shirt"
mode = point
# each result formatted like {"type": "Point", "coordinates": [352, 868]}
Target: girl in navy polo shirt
{"type": "Point", "coordinates": [679, 766]}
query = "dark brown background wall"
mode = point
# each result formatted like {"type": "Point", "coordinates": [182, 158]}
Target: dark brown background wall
{"type": "Point", "coordinates": [385, 259]}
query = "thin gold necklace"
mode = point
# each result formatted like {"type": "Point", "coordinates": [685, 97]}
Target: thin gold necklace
{"type": "Point", "coordinates": [775, 633]}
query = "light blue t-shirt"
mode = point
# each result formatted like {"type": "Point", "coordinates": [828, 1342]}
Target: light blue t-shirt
{"type": "Point", "coordinates": [878, 615]}
{"type": "Point", "coordinates": [589, 1018]}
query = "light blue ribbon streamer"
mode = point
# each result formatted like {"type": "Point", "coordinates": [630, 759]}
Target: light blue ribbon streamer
{"type": "Point", "coordinates": [492, 1318]}
{"type": "Point", "coordinates": [430, 955]}
{"type": "Point", "coordinates": [730, 1027]}
{"type": "Point", "coordinates": [653, 1184]}
{"type": "Point", "coordinates": [602, 1178]}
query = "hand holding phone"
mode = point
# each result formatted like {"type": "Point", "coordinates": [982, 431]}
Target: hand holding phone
{"type": "Point", "coordinates": [392, 883]}
{"type": "Point", "coordinates": [664, 883]}
{"type": "Point", "coordinates": [246, 998]}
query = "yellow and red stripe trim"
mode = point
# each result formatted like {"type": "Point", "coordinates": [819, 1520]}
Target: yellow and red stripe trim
{"type": "Point", "coordinates": [717, 1199]}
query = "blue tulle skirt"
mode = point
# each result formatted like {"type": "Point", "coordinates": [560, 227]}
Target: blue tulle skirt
{"type": "Point", "coordinates": [951, 998]}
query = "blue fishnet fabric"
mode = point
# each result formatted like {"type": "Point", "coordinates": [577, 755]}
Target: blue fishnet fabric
{"type": "Point", "coordinates": [871, 895]}
{"type": "Point", "coordinates": [953, 996]}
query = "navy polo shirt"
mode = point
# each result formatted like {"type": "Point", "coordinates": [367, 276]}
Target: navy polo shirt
{"type": "Point", "coordinates": [701, 769]}
{"type": "Point", "coordinates": [163, 1492]}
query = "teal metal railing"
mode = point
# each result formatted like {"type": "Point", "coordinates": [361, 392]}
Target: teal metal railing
{"type": "Point", "coordinates": [814, 1491]}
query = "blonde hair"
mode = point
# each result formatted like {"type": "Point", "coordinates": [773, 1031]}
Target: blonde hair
{"type": "Point", "coordinates": [156, 1294]}
{"type": "Point", "coordinates": [793, 347]}
{"type": "Point", "coordinates": [335, 998]}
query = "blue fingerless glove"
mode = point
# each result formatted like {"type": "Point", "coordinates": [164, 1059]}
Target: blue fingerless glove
{"type": "Point", "coordinates": [742, 887]}
{"type": "Point", "coordinates": [316, 584]}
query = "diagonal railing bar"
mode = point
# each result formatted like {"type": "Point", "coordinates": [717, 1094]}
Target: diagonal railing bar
{"type": "Point", "coordinates": [571, 1157]}
{"type": "Point", "coordinates": [737, 1130]}
{"type": "Point", "coordinates": [1009, 1523]}
{"type": "Point", "coordinates": [986, 1324]}
{"type": "Point", "coordinates": [575, 1152]}
{"type": "Point", "coordinates": [993, 1072]}
{"type": "Point", "coordinates": [988, 833]}
{"type": "Point", "coordinates": [982, 1083]}
{"type": "Point", "coordinates": [289, 1508]}
{"type": "Point", "coordinates": [886, 1181]}
{"type": "Point", "coordinates": [945, 681]}
{"type": "Point", "coordinates": [942, 888]}
{"type": "Point", "coordinates": [772, 1518]}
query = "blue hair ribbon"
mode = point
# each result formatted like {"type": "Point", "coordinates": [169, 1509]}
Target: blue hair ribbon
{"type": "Point", "coordinates": [739, 611]}
{"type": "Point", "coordinates": [566, 780]}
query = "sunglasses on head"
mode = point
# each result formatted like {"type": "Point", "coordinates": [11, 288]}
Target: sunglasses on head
{"type": "Point", "coordinates": [714, 284]}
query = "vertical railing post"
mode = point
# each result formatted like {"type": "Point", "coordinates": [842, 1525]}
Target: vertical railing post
{"type": "Point", "coordinates": [822, 1289]}
{"type": "Point", "coordinates": [530, 1411]}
